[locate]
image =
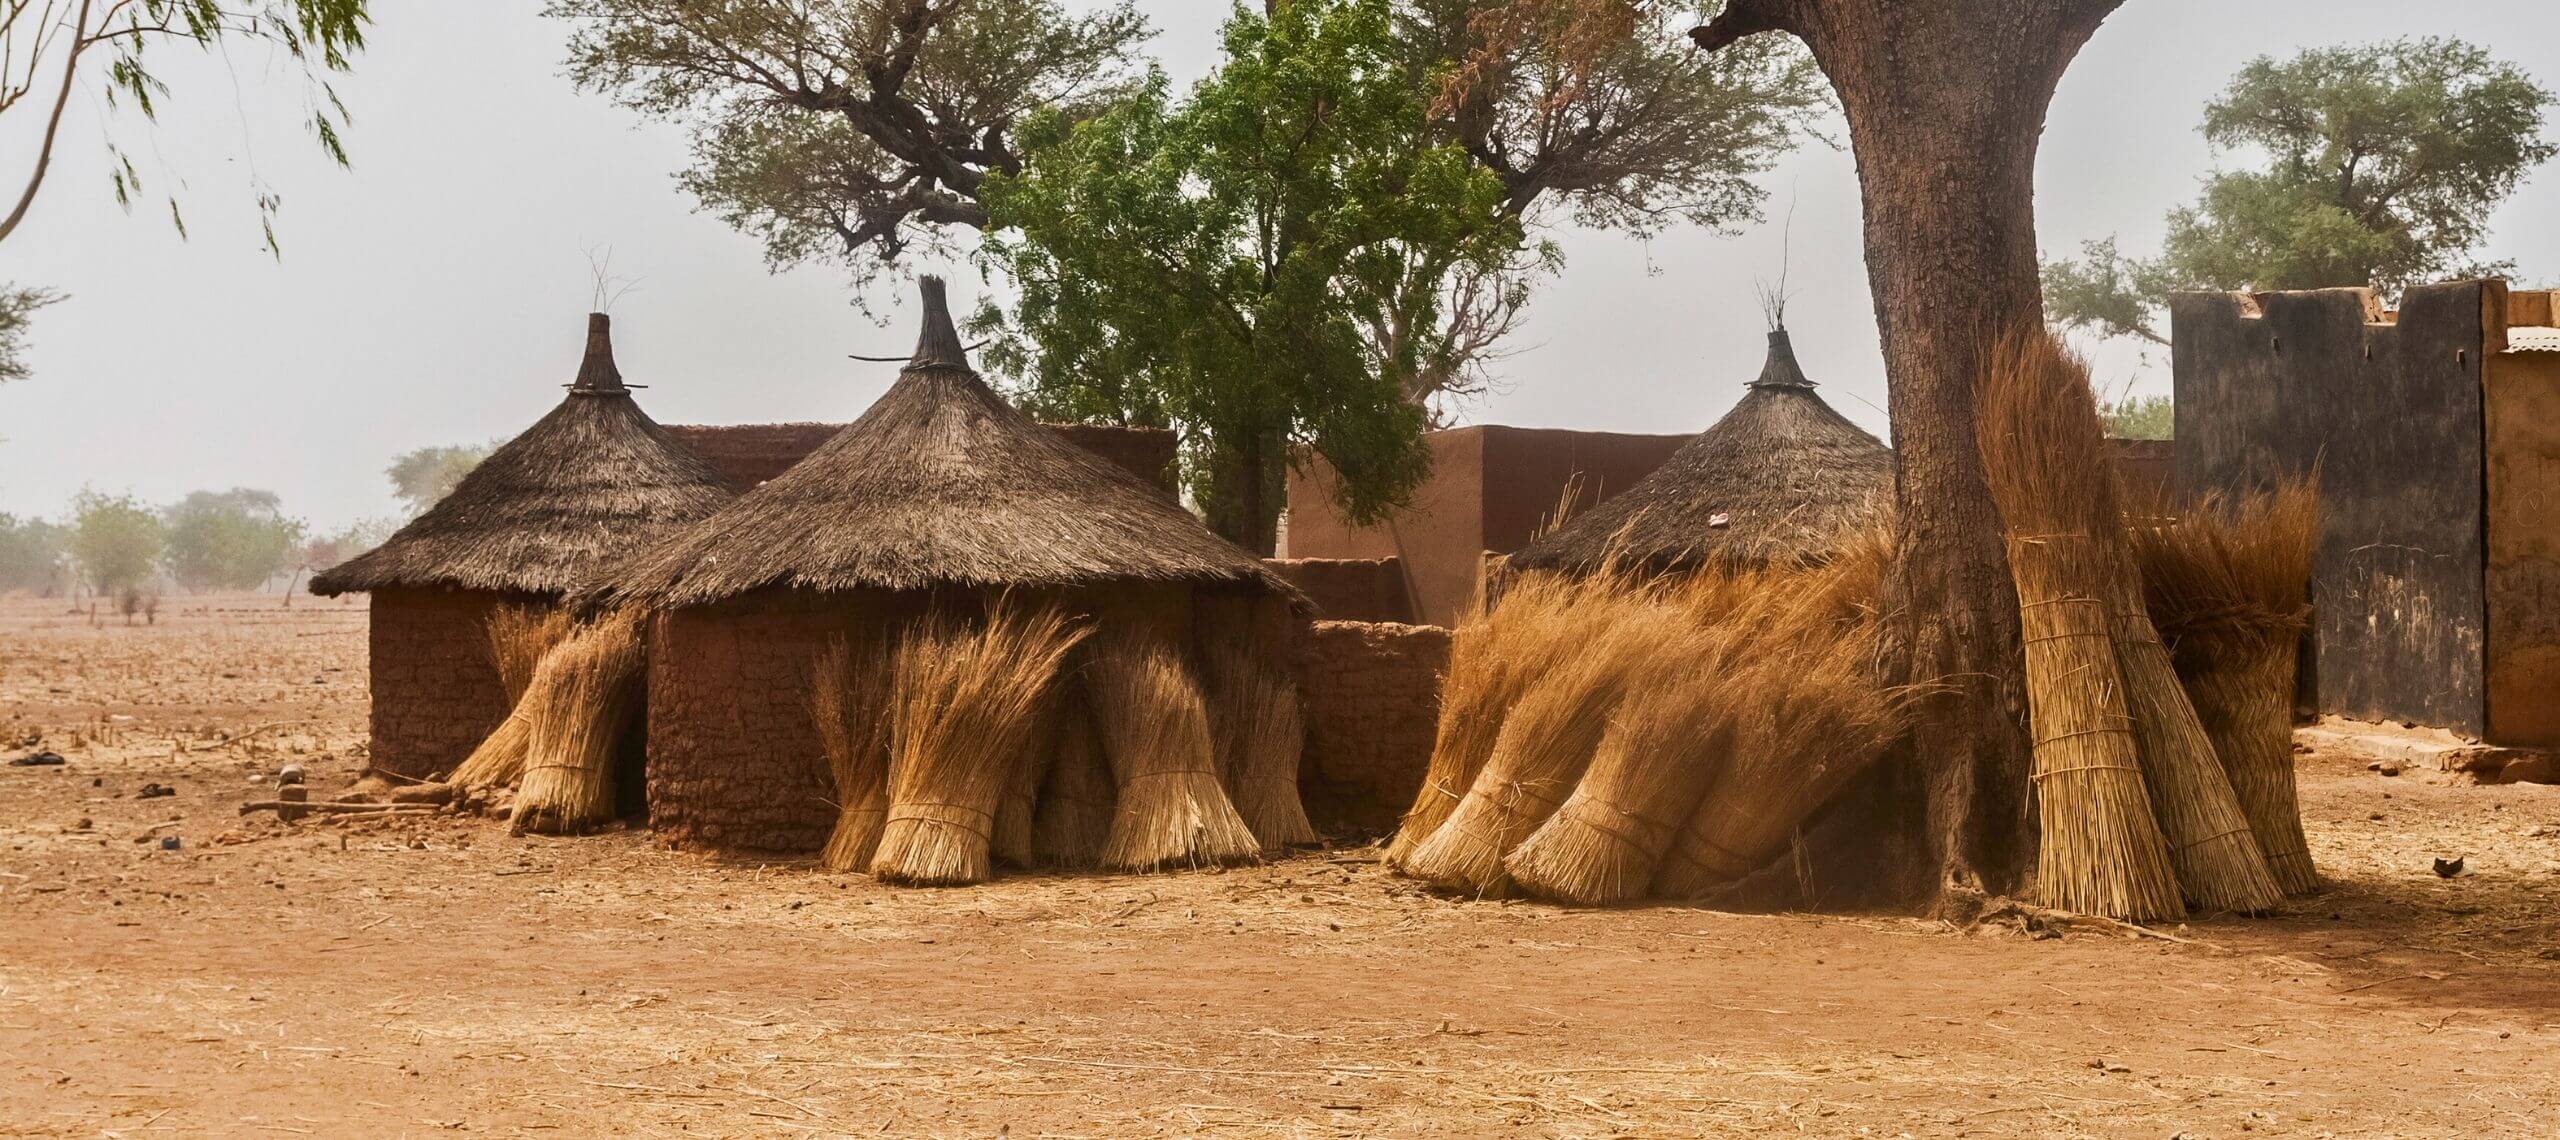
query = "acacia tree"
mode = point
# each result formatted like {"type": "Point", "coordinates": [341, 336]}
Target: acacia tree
{"type": "Point", "coordinates": [2383, 164]}
{"type": "Point", "coordinates": [1212, 265]}
{"type": "Point", "coordinates": [47, 49]}
{"type": "Point", "coordinates": [423, 477]}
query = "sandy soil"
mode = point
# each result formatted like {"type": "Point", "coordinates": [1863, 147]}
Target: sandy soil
{"type": "Point", "coordinates": [430, 976]}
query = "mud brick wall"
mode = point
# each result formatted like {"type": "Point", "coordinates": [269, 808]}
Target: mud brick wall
{"type": "Point", "coordinates": [2524, 541]}
{"type": "Point", "coordinates": [1372, 693]}
{"type": "Point", "coordinates": [1350, 589]}
{"type": "Point", "coordinates": [436, 692]}
{"type": "Point", "coordinates": [734, 760]}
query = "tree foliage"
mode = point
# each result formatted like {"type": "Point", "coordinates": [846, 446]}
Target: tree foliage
{"type": "Point", "coordinates": [423, 477]}
{"type": "Point", "coordinates": [45, 49]}
{"type": "Point", "coordinates": [229, 540]}
{"type": "Point", "coordinates": [34, 555]}
{"type": "Point", "coordinates": [2139, 417]}
{"type": "Point", "coordinates": [17, 310]}
{"type": "Point", "coordinates": [846, 131]}
{"type": "Point", "coordinates": [2383, 163]}
{"type": "Point", "coordinates": [115, 540]}
{"type": "Point", "coordinates": [1216, 264]}
{"type": "Point", "coordinates": [325, 551]}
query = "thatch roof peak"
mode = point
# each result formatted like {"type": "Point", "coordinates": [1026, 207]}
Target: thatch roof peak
{"type": "Point", "coordinates": [586, 483]}
{"type": "Point", "coordinates": [940, 483]}
{"type": "Point", "coordinates": [938, 345]}
{"type": "Point", "coordinates": [1781, 369]}
{"type": "Point", "coordinates": [596, 374]}
{"type": "Point", "coordinates": [1781, 478]}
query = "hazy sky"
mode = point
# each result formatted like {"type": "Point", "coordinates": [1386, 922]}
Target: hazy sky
{"type": "Point", "coordinates": [436, 293]}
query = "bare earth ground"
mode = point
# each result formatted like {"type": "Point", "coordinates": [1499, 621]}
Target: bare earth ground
{"type": "Point", "coordinates": [434, 975]}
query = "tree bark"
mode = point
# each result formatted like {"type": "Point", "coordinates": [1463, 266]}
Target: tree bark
{"type": "Point", "coordinates": [1946, 101]}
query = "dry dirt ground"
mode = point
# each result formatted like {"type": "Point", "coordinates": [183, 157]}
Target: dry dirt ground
{"type": "Point", "coordinates": [432, 976]}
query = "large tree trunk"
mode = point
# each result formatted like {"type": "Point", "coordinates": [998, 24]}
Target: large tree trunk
{"type": "Point", "coordinates": [1946, 100]}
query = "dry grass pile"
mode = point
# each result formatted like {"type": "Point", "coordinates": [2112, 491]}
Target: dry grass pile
{"type": "Point", "coordinates": [1154, 727]}
{"type": "Point", "coordinates": [965, 701]}
{"type": "Point", "coordinates": [1675, 731]}
{"type": "Point", "coordinates": [1078, 800]}
{"type": "Point", "coordinates": [1803, 711]}
{"type": "Point", "coordinates": [2132, 803]}
{"type": "Point", "coordinates": [1494, 658]}
{"type": "Point", "coordinates": [1259, 731]}
{"type": "Point", "coordinates": [849, 702]}
{"type": "Point", "coordinates": [519, 636]}
{"type": "Point", "coordinates": [585, 706]}
{"type": "Point", "coordinates": [1603, 637]}
{"type": "Point", "coordinates": [2226, 580]}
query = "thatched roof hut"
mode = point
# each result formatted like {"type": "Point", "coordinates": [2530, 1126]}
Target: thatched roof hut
{"type": "Point", "coordinates": [940, 484]}
{"type": "Point", "coordinates": [1778, 479]}
{"type": "Point", "coordinates": [936, 499]}
{"type": "Point", "coordinates": [586, 483]}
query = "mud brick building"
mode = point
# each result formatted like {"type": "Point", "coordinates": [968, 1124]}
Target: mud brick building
{"type": "Point", "coordinates": [2435, 430]}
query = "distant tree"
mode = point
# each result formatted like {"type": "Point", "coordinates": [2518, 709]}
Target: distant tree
{"type": "Point", "coordinates": [17, 310]}
{"type": "Point", "coordinates": [229, 540]}
{"type": "Point", "coordinates": [115, 540]}
{"type": "Point", "coordinates": [327, 551]}
{"type": "Point", "coordinates": [2139, 417]}
{"type": "Point", "coordinates": [1213, 264]}
{"type": "Point", "coordinates": [2383, 164]}
{"type": "Point", "coordinates": [422, 478]}
{"type": "Point", "coordinates": [34, 555]}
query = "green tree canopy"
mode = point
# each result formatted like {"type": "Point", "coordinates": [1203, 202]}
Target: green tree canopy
{"type": "Point", "coordinates": [2383, 164]}
{"type": "Point", "coordinates": [115, 540]}
{"type": "Point", "coordinates": [423, 477]}
{"type": "Point", "coordinates": [1216, 264]}
{"type": "Point", "coordinates": [229, 540]}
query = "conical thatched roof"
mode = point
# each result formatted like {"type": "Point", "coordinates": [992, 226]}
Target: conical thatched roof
{"type": "Point", "coordinates": [587, 483]}
{"type": "Point", "coordinates": [940, 483]}
{"type": "Point", "coordinates": [1776, 480]}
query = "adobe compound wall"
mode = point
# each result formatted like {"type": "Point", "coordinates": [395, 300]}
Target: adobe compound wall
{"type": "Point", "coordinates": [1372, 700]}
{"type": "Point", "coordinates": [435, 685]}
{"type": "Point", "coordinates": [1350, 589]}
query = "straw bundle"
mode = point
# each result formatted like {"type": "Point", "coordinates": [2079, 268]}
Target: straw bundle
{"type": "Point", "coordinates": [584, 704]}
{"type": "Point", "coordinates": [849, 703]}
{"type": "Point", "coordinates": [1072, 818]}
{"type": "Point", "coordinates": [1609, 644]}
{"type": "Point", "coordinates": [1808, 717]}
{"type": "Point", "coordinates": [2226, 581]}
{"type": "Point", "coordinates": [518, 637]}
{"type": "Point", "coordinates": [2100, 850]}
{"type": "Point", "coordinates": [1260, 732]}
{"type": "Point", "coordinates": [1655, 762]}
{"type": "Point", "coordinates": [1155, 730]}
{"type": "Point", "coordinates": [963, 704]}
{"type": "Point", "coordinates": [1493, 659]}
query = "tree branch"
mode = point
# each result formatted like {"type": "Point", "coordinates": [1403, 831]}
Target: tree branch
{"type": "Point", "coordinates": [1746, 18]}
{"type": "Point", "coordinates": [52, 127]}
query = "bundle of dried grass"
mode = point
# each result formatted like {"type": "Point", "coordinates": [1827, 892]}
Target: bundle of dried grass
{"type": "Point", "coordinates": [1653, 765]}
{"type": "Point", "coordinates": [585, 706]}
{"type": "Point", "coordinates": [1154, 727]}
{"type": "Point", "coordinates": [1260, 731]}
{"type": "Point", "coordinates": [1493, 659]}
{"type": "Point", "coordinates": [963, 706]}
{"type": "Point", "coordinates": [1807, 716]}
{"type": "Point", "coordinates": [519, 635]}
{"type": "Point", "coordinates": [849, 703]}
{"type": "Point", "coordinates": [2226, 581]}
{"type": "Point", "coordinates": [1071, 820]}
{"type": "Point", "coordinates": [1609, 643]}
{"type": "Point", "coordinates": [2100, 849]}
